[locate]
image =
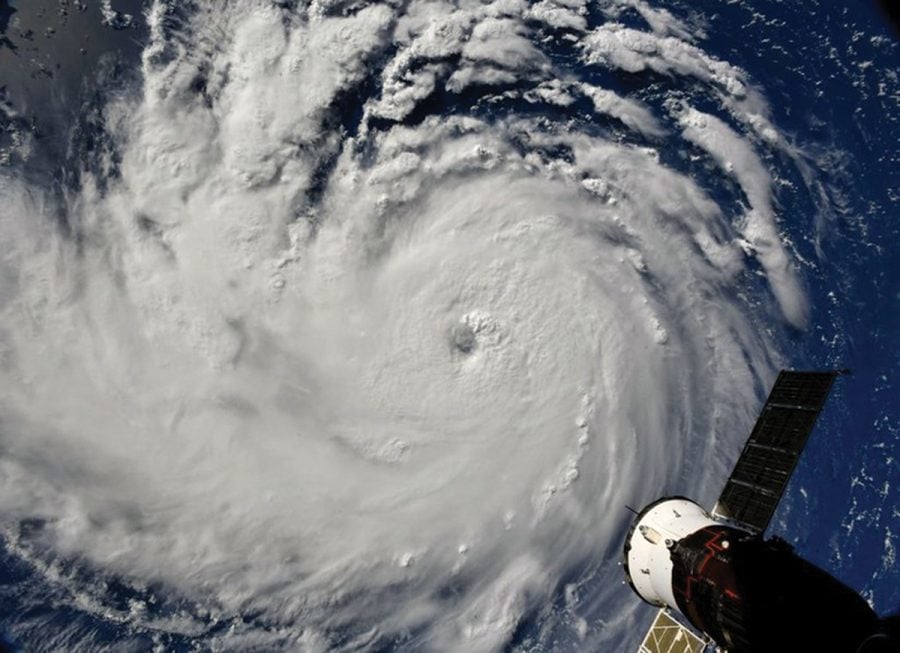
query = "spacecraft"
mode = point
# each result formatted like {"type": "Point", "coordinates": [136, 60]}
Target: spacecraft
{"type": "Point", "coordinates": [738, 591]}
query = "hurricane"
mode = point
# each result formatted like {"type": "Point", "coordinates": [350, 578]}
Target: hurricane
{"type": "Point", "coordinates": [363, 323]}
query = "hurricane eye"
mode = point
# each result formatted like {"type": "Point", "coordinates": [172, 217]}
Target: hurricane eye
{"type": "Point", "coordinates": [462, 338]}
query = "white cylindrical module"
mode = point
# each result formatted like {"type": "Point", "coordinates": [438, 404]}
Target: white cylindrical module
{"type": "Point", "coordinates": [648, 560]}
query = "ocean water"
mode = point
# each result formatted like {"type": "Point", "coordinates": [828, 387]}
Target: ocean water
{"type": "Point", "coordinates": [356, 326]}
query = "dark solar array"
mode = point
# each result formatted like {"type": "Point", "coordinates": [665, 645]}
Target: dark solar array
{"type": "Point", "coordinates": [761, 474]}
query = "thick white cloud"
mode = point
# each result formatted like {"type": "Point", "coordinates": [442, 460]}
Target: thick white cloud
{"type": "Point", "coordinates": [393, 386]}
{"type": "Point", "coordinates": [632, 113]}
{"type": "Point", "coordinates": [737, 157]}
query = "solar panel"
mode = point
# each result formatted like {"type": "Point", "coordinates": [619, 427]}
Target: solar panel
{"type": "Point", "coordinates": [666, 635]}
{"type": "Point", "coordinates": [754, 488]}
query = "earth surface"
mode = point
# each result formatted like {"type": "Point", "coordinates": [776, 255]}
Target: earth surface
{"type": "Point", "coordinates": [357, 326]}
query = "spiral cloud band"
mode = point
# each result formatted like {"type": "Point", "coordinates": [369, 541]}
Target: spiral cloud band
{"type": "Point", "coordinates": [369, 320]}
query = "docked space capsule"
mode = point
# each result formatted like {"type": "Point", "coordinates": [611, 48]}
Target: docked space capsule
{"type": "Point", "coordinates": [741, 592]}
